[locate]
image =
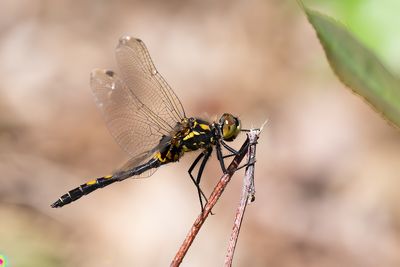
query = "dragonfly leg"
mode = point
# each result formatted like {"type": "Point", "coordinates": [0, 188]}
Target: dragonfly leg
{"type": "Point", "coordinates": [228, 156]}
{"type": "Point", "coordinates": [249, 163]}
{"type": "Point", "coordinates": [220, 157]}
{"type": "Point", "coordinates": [206, 154]}
{"type": "Point", "coordinates": [200, 173]}
{"type": "Point", "coordinates": [229, 148]}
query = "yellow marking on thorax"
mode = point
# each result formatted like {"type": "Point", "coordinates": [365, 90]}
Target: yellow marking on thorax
{"type": "Point", "coordinates": [188, 136]}
{"type": "Point", "coordinates": [204, 126]}
{"type": "Point", "coordinates": [108, 176]}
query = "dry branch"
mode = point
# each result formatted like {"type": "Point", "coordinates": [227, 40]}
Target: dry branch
{"type": "Point", "coordinates": [215, 195]}
{"type": "Point", "coordinates": [248, 193]}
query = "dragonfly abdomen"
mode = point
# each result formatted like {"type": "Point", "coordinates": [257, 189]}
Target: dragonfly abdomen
{"type": "Point", "coordinates": [82, 190]}
{"type": "Point", "coordinates": [101, 182]}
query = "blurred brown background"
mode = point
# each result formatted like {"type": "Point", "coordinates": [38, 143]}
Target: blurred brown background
{"type": "Point", "coordinates": [327, 172]}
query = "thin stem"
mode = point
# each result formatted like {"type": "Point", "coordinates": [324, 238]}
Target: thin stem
{"type": "Point", "coordinates": [247, 196]}
{"type": "Point", "coordinates": [212, 200]}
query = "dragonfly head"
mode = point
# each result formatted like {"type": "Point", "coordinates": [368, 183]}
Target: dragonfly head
{"type": "Point", "coordinates": [230, 127]}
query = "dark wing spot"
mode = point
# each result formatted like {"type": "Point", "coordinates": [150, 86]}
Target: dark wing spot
{"type": "Point", "coordinates": [110, 73]}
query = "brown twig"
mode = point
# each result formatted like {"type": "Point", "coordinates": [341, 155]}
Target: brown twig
{"type": "Point", "coordinates": [219, 188]}
{"type": "Point", "coordinates": [247, 195]}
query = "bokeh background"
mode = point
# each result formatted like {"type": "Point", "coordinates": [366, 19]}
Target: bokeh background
{"type": "Point", "coordinates": [328, 167]}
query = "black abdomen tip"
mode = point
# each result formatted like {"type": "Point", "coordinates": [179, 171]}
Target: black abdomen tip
{"type": "Point", "coordinates": [63, 200]}
{"type": "Point", "coordinates": [57, 204]}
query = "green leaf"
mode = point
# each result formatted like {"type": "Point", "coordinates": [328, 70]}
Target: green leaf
{"type": "Point", "coordinates": [357, 66]}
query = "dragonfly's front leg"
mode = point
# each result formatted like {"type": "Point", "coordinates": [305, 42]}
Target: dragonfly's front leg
{"type": "Point", "coordinates": [220, 157]}
{"type": "Point", "coordinates": [229, 148]}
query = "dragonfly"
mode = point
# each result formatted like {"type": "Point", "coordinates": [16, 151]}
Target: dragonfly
{"type": "Point", "coordinates": [148, 121]}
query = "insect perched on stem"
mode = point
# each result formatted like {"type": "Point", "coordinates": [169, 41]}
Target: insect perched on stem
{"type": "Point", "coordinates": [148, 121]}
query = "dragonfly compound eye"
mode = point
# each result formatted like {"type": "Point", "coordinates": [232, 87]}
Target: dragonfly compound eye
{"type": "Point", "coordinates": [230, 127]}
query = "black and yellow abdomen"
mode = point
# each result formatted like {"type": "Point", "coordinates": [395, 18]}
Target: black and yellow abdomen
{"type": "Point", "coordinates": [196, 135]}
{"type": "Point", "coordinates": [101, 182]}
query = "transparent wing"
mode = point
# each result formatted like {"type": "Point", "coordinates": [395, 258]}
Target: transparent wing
{"type": "Point", "coordinates": [133, 163]}
{"type": "Point", "coordinates": [139, 107]}
{"type": "Point", "coordinates": [143, 79]}
{"type": "Point", "coordinates": [144, 158]}
{"type": "Point", "coordinates": [133, 125]}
